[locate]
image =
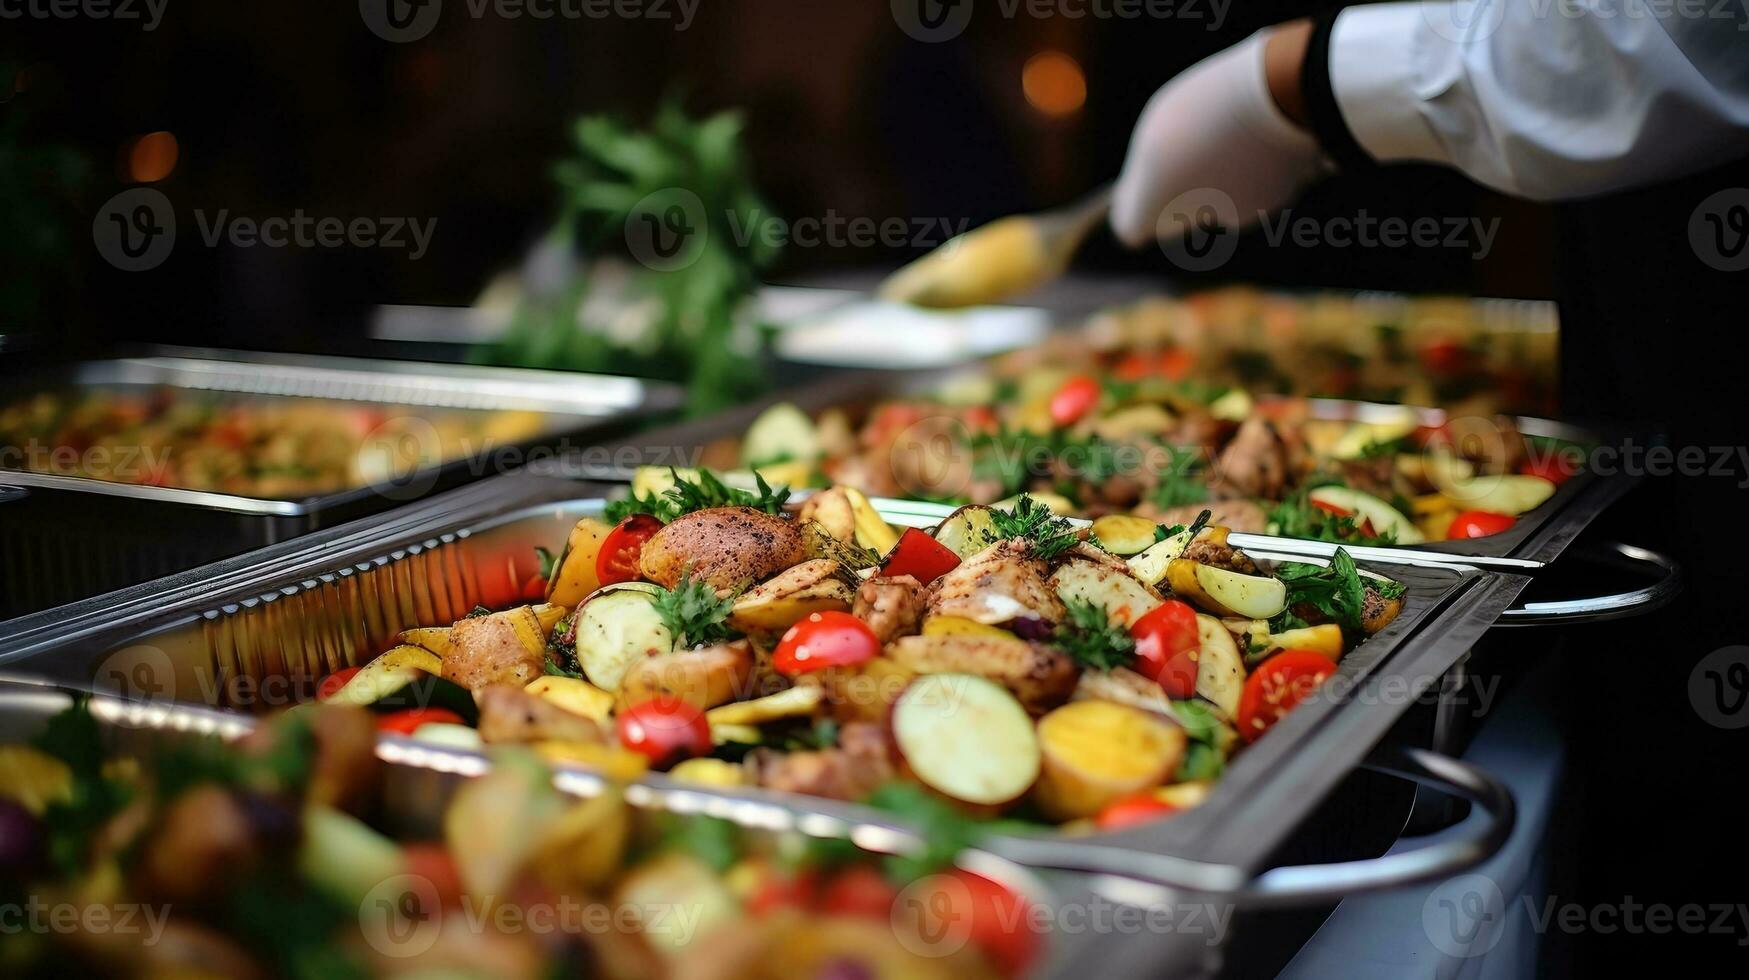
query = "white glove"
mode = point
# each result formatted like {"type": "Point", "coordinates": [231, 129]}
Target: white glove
{"type": "Point", "coordinates": [1212, 131]}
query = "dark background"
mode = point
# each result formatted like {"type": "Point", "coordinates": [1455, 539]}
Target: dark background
{"type": "Point", "coordinates": [279, 105]}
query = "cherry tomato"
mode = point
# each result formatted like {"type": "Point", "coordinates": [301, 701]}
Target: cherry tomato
{"type": "Point", "coordinates": [920, 556]}
{"type": "Point", "coordinates": [1445, 357]}
{"type": "Point", "coordinates": [1074, 400]}
{"type": "Point", "coordinates": [1277, 686]}
{"type": "Point", "coordinates": [1176, 364]}
{"type": "Point", "coordinates": [779, 888]}
{"type": "Point", "coordinates": [665, 729]}
{"type": "Point", "coordinates": [408, 721]}
{"type": "Point", "coordinates": [1332, 509]}
{"type": "Point", "coordinates": [859, 891]}
{"type": "Point", "coordinates": [1557, 467]}
{"type": "Point", "coordinates": [980, 418]}
{"type": "Point", "coordinates": [1479, 524]}
{"type": "Point", "coordinates": [1134, 367]}
{"type": "Point", "coordinates": [1167, 648]}
{"type": "Point", "coordinates": [334, 682]}
{"type": "Point", "coordinates": [618, 561]}
{"type": "Point", "coordinates": [535, 589]}
{"type": "Point", "coordinates": [1132, 810]}
{"type": "Point", "coordinates": [824, 639]}
{"type": "Point", "coordinates": [433, 862]}
{"type": "Point", "coordinates": [999, 921]}
{"type": "Point", "coordinates": [889, 421]}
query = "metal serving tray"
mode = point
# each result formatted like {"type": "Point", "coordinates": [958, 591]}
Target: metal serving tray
{"type": "Point", "coordinates": [65, 537]}
{"type": "Point", "coordinates": [244, 635]}
{"type": "Point", "coordinates": [418, 780]}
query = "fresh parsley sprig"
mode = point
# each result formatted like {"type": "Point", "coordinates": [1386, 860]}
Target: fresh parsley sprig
{"type": "Point", "coordinates": [1029, 520]}
{"type": "Point", "coordinates": [694, 613]}
{"type": "Point", "coordinates": [689, 495]}
{"type": "Point", "coordinates": [1297, 517]}
{"type": "Point", "coordinates": [1337, 591]}
{"type": "Point", "coordinates": [1091, 639]}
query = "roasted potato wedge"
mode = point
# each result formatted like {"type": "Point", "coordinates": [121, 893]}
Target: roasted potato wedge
{"type": "Point", "coordinates": [575, 577]}
{"type": "Point", "coordinates": [725, 547]}
{"type": "Point", "coordinates": [797, 702]}
{"type": "Point", "coordinates": [777, 604]}
{"type": "Point", "coordinates": [1096, 752]}
{"type": "Point", "coordinates": [831, 509]}
{"type": "Point", "coordinates": [504, 648]}
{"type": "Point", "coordinates": [1220, 671]}
{"type": "Point", "coordinates": [574, 694]}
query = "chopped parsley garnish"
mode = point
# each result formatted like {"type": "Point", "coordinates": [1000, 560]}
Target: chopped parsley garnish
{"type": "Point", "coordinates": [1203, 759]}
{"type": "Point", "coordinates": [654, 504]}
{"type": "Point", "coordinates": [1297, 517]}
{"type": "Point", "coordinates": [1032, 521]}
{"type": "Point", "coordinates": [1091, 639]}
{"type": "Point", "coordinates": [1337, 591]}
{"type": "Point", "coordinates": [704, 493]}
{"type": "Point", "coordinates": [694, 613]}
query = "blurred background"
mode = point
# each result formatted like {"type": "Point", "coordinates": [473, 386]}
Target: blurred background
{"type": "Point", "coordinates": [264, 109]}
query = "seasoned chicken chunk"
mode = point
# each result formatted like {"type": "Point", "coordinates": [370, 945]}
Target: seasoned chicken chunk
{"type": "Point", "coordinates": [725, 547]}
{"type": "Point", "coordinates": [1039, 676]}
{"type": "Point", "coordinates": [1002, 583]}
{"type": "Point", "coordinates": [487, 650]}
{"type": "Point", "coordinates": [511, 714]}
{"type": "Point", "coordinates": [891, 606]}
{"type": "Point", "coordinates": [860, 764]}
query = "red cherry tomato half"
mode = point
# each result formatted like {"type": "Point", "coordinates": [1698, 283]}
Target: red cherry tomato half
{"type": "Point", "coordinates": [1133, 367]}
{"type": "Point", "coordinates": [334, 682]}
{"type": "Point", "coordinates": [1479, 524]}
{"type": "Point", "coordinates": [1277, 686]}
{"type": "Point", "coordinates": [408, 721]}
{"type": "Point", "coordinates": [920, 556]}
{"type": "Point", "coordinates": [1074, 400]}
{"type": "Point", "coordinates": [432, 862]}
{"type": "Point", "coordinates": [824, 639]}
{"type": "Point", "coordinates": [618, 561]}
{"type": "Point", "coordinates": [665, 729]}
{"type": "Point", "coordinates": [779, 888]}
{"type": "Point", "coordinates": [1557, 468]}
{"type": "Point", "coordinates": [980, 418]}
{"type": "Point", "coordinates": [859, 891]}
{"type": "Point", "coordinates": [1132, 810]}
{"type": "Point", "coordinates": [1167, 648]}
{"type": "Point", "coordinates": [1332, 509]}
{"type": "Point", "coordinates": [1445, 357]}
{"type": "Point", "coordinates": [1176, 364]}
{"type": "Point", "coordinates": [996, 919]}
{"type": "Point", "coordinates": [535, 589]}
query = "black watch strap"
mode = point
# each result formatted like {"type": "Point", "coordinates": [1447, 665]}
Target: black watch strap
{"type": "Point", "coordinates": [1325, 116]}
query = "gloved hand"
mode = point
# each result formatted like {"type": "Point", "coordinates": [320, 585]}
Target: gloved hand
{"type": "Point", "coordinates": [1214, 128]}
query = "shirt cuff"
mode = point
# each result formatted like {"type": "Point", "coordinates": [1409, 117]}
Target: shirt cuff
{"type": "Point", "coordinates": [1372, 58]}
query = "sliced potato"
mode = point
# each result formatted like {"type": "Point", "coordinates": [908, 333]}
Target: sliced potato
{"type": "Point", "coordinates": [385, 675]}
{"type": "Point", "coordinates": [1325, 639]}
{"type": "Point", "coordinates": [967, 738]}
{"type": "Point", "coordinates": [781, 433]}
{"type": "Point", "coordinates": [433, 638]}
{"type": "Point", "coordinates": [1185, 796]}
{"type": "Point", "coordinates": [1096, 752]}
{"type": "Point", "coordinates": [831, 508]}
{"type": "Point", "coordinates": [708, 772]}
{"type": "Point", "coordinates": [1385, 519]}
{"type": "Point", "coordinates": [1150, 566]}
{"type": "Point", "coordinates": [704, 677]}
{"type": "Point", "coordinates": [617, 628]}
{"type": "Point", "coordinates": [734, 734]}
{"type": "Point", "coordinates": [1510, 495]}
{"type": "Point", "coordinates": [1361, 435]}
{"type": "Point", "coordinates": [1220, 671]}
{"type": "Point", "coordinates": [615, 763]}
{"type": "Point", "coordinates": [575, 577]}
{"type": "Point", "coordinates": [872, 530]}
{"type": "Point", "coordinates": [797, 702]}
{"type": "Point", "coordinates": [1125, 534]}
{"type": "Point", "coordinates": [547, 614]}
{"type": "Point", "coordinates": [1111, 586]}
{"type": "Point", "coordinates": [1435, 469]}
{"type": "Point", "coordinates": [862, 693]}
{"type": "Point", "coordinates": [797, 592]}
{"type": "Point", "coordinates": [573, 694]}
{"type": "Point", "coordinates": [585, 847]}
{"type": "Point", "coordinates": [968, 530]}
{"type": "Point", "coordinates": [1133, 421]}
{"type": "Point", "coordinates": [1234, 406]}
{"type": "Point", "coordinates": [1227, 593]}
{"type": "Point", "coordinates": [960, 626]}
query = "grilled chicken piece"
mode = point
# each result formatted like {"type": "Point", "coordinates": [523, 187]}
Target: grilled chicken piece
{"type": "Point", "coordinates": [1376, 611]}
{"type": "Point", "coordinates": [725, 547]}
{"type": "Point", "coordinates": [703, 678]}
{"type": "Point", "coordinates": [1002, 583]}
{"type": "Point", "coordinates": [511, 714]}
{"type": "Point", "coordinates": [1255, 464]}
{"type": "Point", "coordinates": [860, 764]}
{"type": "Point", "coordinates": [1237, 515]}
{"type": "Point", "coordinates": [1219, 554]}
{"type": "Point", "coordinates": [1039, 676]}
{"type": "Point", "coordinates": [487, 650]}
{"type": "Point", "coordinates": [892, 607]}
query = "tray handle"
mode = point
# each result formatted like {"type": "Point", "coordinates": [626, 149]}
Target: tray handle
{"type": "Point", "coordinates": [13, 493]}
{"type": "Point", "coordinates": [1597, 609]}
{"type": "Point", "coordinates": [1143, 879]}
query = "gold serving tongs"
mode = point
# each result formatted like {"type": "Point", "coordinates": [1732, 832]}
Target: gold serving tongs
{"type": "Point", "coordinates": [1004, 258]}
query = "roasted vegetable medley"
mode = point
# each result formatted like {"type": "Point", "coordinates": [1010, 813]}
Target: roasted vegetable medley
{"type": "Point", "coordinates": [276, 447]}
{"type": "Point", "coordinates": [291, 854]}
{"type": "Point", "coordinates": [1006, 660]}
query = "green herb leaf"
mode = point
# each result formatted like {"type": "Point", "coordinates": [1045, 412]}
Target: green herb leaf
{"type": "Point", "coordinates": [694, 613]}
{"type": "Point", "coordinates": [1032, 521]}
{"type": "Point", "coordinates": [656, 505]}
{"type": "Point", "coordinates": [1336, 591]}
{"type": "Point", "coordinates": [943, 831]}
{"type": "Point", "coordinates": [1296, 517]}
{"type": "Point", "coordinates": [1090, 638]}
{"type": "Point", "coordinates": [687, 496]}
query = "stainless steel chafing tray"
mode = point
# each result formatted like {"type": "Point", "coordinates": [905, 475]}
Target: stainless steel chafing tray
{"type": "Point", "coordinates": [64, 537]}
{"type": "Point", "coordinates": [302, 615]}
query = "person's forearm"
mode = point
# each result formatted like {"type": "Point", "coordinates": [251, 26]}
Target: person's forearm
{"type": "Point", "coordinates": [1284, 59]}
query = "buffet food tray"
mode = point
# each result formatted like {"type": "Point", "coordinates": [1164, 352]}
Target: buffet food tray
{"type": "Point", "coordinates": [64, 537]}
{"type": "Point", "coordinates": [242, 634]}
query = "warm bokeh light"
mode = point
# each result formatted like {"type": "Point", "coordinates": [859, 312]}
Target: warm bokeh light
{"type": "Point", "coordinates": [152, 157]}
{"type": "Point", "coordinates": [1054, 83]}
